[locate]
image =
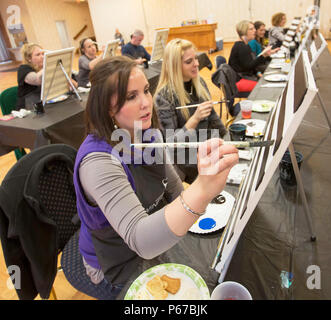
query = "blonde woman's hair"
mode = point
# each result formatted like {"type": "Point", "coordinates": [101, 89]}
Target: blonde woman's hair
{"type": "Point", "coordinates": [277, 18]}
{"type": "Point", "coordinates": [27, 51]}
{"type": "Point", "coordinates": [242, 27]}
{"type": "Point", "coordinates": [171, 75]}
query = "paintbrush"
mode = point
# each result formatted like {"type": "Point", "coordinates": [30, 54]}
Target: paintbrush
{"type": "Point", "coordinates": [237, 144]}
{"type": "Point", "coordinates": [198, 104]}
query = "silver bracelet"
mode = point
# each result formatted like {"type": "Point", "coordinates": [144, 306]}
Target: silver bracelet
{"type": "Point", "coordinates": [187, 208]}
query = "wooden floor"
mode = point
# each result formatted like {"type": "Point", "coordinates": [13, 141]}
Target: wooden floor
{"type": "Point", "coordinates": [63, 289]}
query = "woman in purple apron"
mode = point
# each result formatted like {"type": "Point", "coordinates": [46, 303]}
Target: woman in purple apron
{"type": "Point", "coordinates": [130, 201]}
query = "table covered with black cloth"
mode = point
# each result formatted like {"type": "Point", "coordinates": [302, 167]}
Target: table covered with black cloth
{"type": "Point", "coordinates": [274, 250]}
{"type": "Point", "coordinates": [62, 122]}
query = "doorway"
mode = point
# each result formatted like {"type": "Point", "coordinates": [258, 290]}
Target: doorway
{"type": "Point", "coordinates": [63, 33]}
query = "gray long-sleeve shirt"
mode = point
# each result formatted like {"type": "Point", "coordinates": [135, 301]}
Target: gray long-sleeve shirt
{"type": "Point", "coordinates": [276, 34]}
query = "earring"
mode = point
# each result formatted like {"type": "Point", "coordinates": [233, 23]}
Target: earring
{"type": "Point", "coordinates": [114, 124]}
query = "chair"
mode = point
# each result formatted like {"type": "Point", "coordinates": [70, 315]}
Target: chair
{"type": "Point", "coordinates": [38, 221]}
{"type": "Point", "coordinates": [225, 79]}
{"type": "Point", "coordinates": [75, 272]}
{"type": "Point", "coordinates": [8, 100]}
{"type": "Point", "coordinates": [219, 60]}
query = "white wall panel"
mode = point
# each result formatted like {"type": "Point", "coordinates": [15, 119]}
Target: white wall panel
{"type": "Point", "coordinates": [107, 15]}
{"type": "Point", "coordinates": [263, 10]}
{"type": "Point", "coordinates": [226, 13]}
{"type": "Point", "coordinates": [149, 15]}
{"type": "Point", "coordinates": [325, 18]}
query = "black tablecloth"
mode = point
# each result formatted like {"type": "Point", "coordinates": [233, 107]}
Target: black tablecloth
{"type": "Point", "coordinates": [274, 251]}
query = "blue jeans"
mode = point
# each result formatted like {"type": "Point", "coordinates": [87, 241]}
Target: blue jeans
{"type": "Point", "coordinates": [108, 291]}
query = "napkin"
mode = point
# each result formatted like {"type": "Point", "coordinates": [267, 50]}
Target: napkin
{"type": "Point", "coordinates": [81, 89]}
{"type": "Point", "coordinates": [20, 114]}
{"type": "Point", "coordinates": [273, 85]}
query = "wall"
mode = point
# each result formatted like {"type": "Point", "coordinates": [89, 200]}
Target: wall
{"type": "Point", "coordinates": [39, 16]}
{"type": "Point", "coordinates": [24, 17]}
{"type": "Point", "coordinates": [325, 18]}
{"type": "Point", "coordinates": [151, 14]}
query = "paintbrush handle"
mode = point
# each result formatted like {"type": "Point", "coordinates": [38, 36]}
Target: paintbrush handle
{"type": "Point", "coordinates": [196, 105]}
{"type": "Point", "coordinates": [238, 144]}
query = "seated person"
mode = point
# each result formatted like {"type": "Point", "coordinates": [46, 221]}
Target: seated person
{"type": "Point", "coordinates": [276, 33]}
{"type": "Point", "coordinates": [29, 76]}
{"type": "Point", "coordinates": [134, 49]}
{"type": "Point", "coordinates": [87, 61]}
{"type": "Point", "coordinates": [127, 212]}
{"type": "Point", "coordinates": [179, 85]}
{"type": "Point", "coordinates": [243, 61]}
{"type": "Point", "coordinates": [119, 36]}
{"type": "Point", "coordinates": [258, 44]}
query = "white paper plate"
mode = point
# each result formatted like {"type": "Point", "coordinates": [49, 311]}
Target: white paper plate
{"type": "Point", "coordinates": [276, 77]}
{"type": "Point", "coordinates": [278, 55]}
{"type": "Point", "coordinates": [237, 173]}
{"type": "Point", "coordinates": [59, 99]}
{"type": "Point", "coordinates": [216, 216]}
{"type": "Point", "coordinates": [276, 65]}
{"type": "Point", "coordinates": [263, 105]}
{"type": "Point", "coordinates": [253, 126]}
{"type": "Point", "coordinates": [192, 287]}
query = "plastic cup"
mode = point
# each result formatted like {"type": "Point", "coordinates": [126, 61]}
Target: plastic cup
{"type": "Point", "coordinates": [237, 131]}
{"type": "Point", "coordinates": [286, 171]}
{"type": "Point", "coordinates": [230, 290]}
{"type": "Point", "coordinates": [246, 109]}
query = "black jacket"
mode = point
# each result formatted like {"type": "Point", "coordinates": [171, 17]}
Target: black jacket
{"type": "Point", "coordinates": [29, 236]}
{"type": "Point", "coordinates": [226, 76]}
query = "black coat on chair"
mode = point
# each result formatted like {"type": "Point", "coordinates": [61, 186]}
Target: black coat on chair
{"type": "Point", "coordinates": [37, 205]}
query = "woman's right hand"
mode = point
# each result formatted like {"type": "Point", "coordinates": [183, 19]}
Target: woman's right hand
{"type": "Point", "coordinates": [215, 161]}
{"type": "Point", "coordinates": [203, 111]}
{"type": "Point", "coordinates": [267, 51]}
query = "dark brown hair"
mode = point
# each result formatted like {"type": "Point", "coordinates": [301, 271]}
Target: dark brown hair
{"type": "Point", "coordinates": [109, 77]}
{"type": "Point", "coordinates": [257, 25]}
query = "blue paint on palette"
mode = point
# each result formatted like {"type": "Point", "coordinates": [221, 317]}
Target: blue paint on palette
{"type": "Point", "coordinates": [207, 223]}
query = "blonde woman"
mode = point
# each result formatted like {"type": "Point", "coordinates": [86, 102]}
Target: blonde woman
{"type": "Point", "coordinates": [276, 33]}
{"type": "Point", "coordinates": [29, 74]}
{"type": "Point", "coordinates": [180, 85]}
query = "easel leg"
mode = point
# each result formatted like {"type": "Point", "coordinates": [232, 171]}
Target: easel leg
{"type": "Point", "coordinates": [324, 110]}
{"type": "Point", "coordinates": [302, 191]}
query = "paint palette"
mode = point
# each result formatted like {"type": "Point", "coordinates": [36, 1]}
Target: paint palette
{"type": "Point", "coordinates": [58, 99]}
{"type": "Point", "coordinates": [216, 216]}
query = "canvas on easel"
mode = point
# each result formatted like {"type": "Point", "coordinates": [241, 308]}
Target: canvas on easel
{"type": "Point", "coordinates": [281, 127]}
{"type": "Point", "coordinates": [160, 42]}
{"type": "Point", "coordinates": [111, 47]}
{"type": "Point", "coordinates": [57, 74]}
{"type": "Point", "coordinates": [315, 48]}
{"type": "Point", "coordinates": [290, 34]}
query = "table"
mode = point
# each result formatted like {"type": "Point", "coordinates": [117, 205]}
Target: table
{"type": "Point", "coordinates": [62, 122]}
{"type": "Point", "coordinates": [274, 251]}
{"type": "Point", "coordinates": [267, 248]}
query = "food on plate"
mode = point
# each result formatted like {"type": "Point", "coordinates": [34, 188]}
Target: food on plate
{"type": "Point", "coordinates": [156, 287]}
{"type": "Point", "coordinates": [142, 294]}
{"type": "Point", "coordinates": [173, 284]}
